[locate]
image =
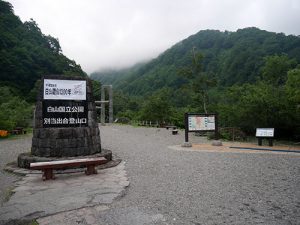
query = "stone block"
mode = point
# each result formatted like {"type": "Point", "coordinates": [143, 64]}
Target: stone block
{"type": "Point", "coordinates": [89, 97]}
{"type": "Point", "coordinates": [81, 142]}
{"type": "Point", "coordinates": [64, 133]}
{"type": "Point", "coordinates": [35, 133]}
{"type": "Point", "coordinates": [44, 143]}
{"type": "Point", "coordinates": [88, 88]}
{"type": "Point", "coordinates": [89, 141]}
{"type": "Point", "coordinates": [67, 141]}
{"type": "Point", "coordinates": [72, 143]}
{"type": "Point", "coordinates": [35, 142]}
{"type": "Point", "coordinates": [55, 152]}
{"type": "Point", "coordinates": [78, 132]}
{"type": "Point", "coordinates": [34, 150]}
{"type": "Point", "coordinates": [83, 151]}
{"type": "Point", "coordinates": [92, 131]}
{"type": "Point", "coordinates": [53, 133]}
{"type": "Point", "coordinates": [43, 151]}
{"type": "Point", "coordinates": [91, 106]}
{"type": "Point", "coordinates": [38, 108]}
{"type": "Point", "coordinates": [91, 115]}
{"type": "Point", "coordinates": [87, 132]}
{"type": "Point", "coordinates": [66, 151]}
{"type": "Point", "coordinates": [38, 123]}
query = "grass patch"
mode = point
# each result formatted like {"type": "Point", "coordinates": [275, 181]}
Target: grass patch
{"type": "Point", "coordinates": [33, 222]}
{"type": "Point", "coordinates": [7, 194]}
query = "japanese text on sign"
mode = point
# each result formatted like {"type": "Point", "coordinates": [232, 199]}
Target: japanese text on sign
{"type": "Point", "coordinates": [64, 89]}
{"type": "Point", "coordinates": [65, 121]}
{"type": "Point", "coordinates": [64, 113]}
{"type": "Point", "coordinates": [264, 132]}
{"type": "Point", "coordinates": [62, 109]}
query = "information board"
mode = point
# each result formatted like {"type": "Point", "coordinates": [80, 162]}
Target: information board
{"type": "Point", "coordinates": [201, 123]}
{"type": "Point", "coordinates": [264, 132]}
{"type": "Point", "coordinates": [195, 122]}
{"type": "Point", "coordinates": [64, 89]}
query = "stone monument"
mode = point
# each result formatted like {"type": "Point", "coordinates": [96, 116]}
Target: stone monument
{"type": "Point", "coordinates": [65, 122]}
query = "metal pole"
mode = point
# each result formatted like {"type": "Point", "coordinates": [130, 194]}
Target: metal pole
{"type": "Point", "coordinates": [111, 114]}
{"type": "Point", "coordinates": [102, 105]}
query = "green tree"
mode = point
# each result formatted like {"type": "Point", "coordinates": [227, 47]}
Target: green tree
{"type": "Point", "coordinates": [276, 67]}
{"type": "Point", "coordinates": [293, 86]}
{"type": "Point", "coordinates": [14, 112]}
{"type": "Point", "coordinates": [200, 82]}
{"type": "Point", "coordinates": [157, 107]}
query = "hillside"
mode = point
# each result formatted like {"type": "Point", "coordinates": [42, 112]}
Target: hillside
{"type": "Point", "coordinates": [26, 53]}
{"type": "Point", "coordinates": [250, 77]}
{"type": "Point", "coordinates": [234, 58]}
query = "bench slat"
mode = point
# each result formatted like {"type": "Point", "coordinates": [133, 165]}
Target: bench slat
{"type": "Point", "coordinates": [67, 163]}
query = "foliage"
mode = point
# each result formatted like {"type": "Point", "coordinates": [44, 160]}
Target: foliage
{"type": "Point", "coordinates": [197, 80]}
{"type": "Point", "coordinates": [293, 86]}
{"type": "Point", "coordinates": [233, 58]}
{"type": "Point", "coordinates": [276, 67]}
{"type": "Point", "coordinates": [157, 107]}
{"type": "Point", "coordinates": [26, 54]}
{"type": "Point", "coordinates": [14, 112]}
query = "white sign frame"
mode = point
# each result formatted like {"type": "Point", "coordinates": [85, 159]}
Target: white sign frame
{"type": "Point", "coordinates": [265, 132]}
{"type": "Point", "coordinates": [55, 89]}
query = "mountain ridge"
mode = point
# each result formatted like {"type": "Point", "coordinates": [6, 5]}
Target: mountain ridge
{"type": "Point", "coordinates": [234, 57]}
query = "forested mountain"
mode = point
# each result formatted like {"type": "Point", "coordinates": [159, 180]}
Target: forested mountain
{"type": "Point", "coordinates": [26, 53]}
{"type": "Point", "coordinates": [250, 77]}
{"type": "Point", "coordinates": [233, 57]}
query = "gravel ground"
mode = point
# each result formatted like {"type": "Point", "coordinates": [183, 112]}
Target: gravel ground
{"type": "Point", "coordinates": [185, 187]}
{"type": "Point", "coordinates": [9, 151]}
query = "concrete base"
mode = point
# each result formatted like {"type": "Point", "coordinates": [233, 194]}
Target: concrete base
{"type": "Point", "coordinates": [186, 145]}
{"type": "Point", "coordinates": [217, 143]}
{"type": "Point", "coordinates": [24, 159]}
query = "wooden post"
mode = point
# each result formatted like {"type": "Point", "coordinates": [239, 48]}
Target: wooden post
{"type": "Point", "coordinates": [259, 141]}
{"type": "Point", "coordinates": [186, 122]}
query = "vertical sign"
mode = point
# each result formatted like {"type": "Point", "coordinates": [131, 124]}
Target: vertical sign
{"type": "Point", "coordinates": [64, 103]}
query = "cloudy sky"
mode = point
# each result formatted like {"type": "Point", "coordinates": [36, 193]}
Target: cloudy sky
{"type": "Point", "coordinates": [101, 34]}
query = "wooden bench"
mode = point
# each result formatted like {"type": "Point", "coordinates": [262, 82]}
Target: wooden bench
{"type": "Point", "coordinates": [48, 167]}
{"type": "Point", "coordinates": [170, 126]}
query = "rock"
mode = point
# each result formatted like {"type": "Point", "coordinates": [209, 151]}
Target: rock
{"type": "Point", "coordinates": [217, 143]}
{"type": "Point", "coordinates": [186, 145]}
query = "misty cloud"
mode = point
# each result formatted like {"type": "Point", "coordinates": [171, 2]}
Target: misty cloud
{"type": "Point", "coordinates": [109, 33]}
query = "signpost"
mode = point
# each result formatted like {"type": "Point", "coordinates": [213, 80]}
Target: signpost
{"type": "Point", "coordinates": [267, 133]}
{"type": "Point", "coordinates": [200, 122]}
{"type": "Point", "coordinates": [64, 103]}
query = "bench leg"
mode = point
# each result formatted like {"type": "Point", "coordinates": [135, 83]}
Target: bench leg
{"type": "Point", "coordinates": [90, 169]}
{"type": "Point", "coordinates": [48, 174]}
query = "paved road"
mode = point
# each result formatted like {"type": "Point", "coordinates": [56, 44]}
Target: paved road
{"type": "Point", "coordinates": [180, 187]}
{"type": "Point", "coordinates": [9, 151]}
{"type": "Point", "coordinates": [184, 187]}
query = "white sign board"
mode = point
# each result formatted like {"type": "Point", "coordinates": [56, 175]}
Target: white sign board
{"type": "Point", "coordinates": [264, 132]}
{"type": "Point", "coordinates": [64, 89]}
{"type": "Point", "coordinates": [199, 123]}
